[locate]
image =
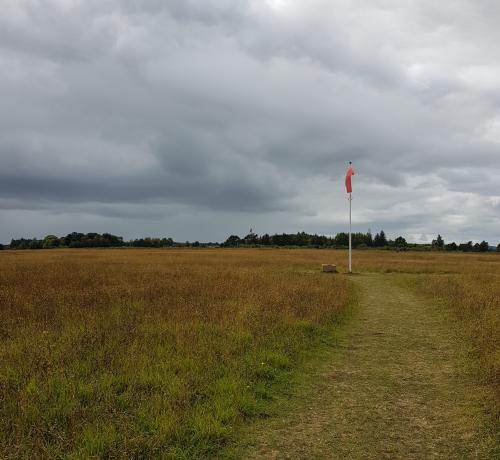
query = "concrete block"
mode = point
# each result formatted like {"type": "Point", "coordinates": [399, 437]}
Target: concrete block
{"type": "Point", "coordinates": [328, 268]}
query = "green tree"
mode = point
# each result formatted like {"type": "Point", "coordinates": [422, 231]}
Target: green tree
{"type": "Point", "coordinates": [35, 244]}
{"type": "Point", "coordinates": [342, 239]}
{"type": "Point", "coordinates": [51, 241]}
{"type": "Point", "coordinates": [265, 239]}
{"type": "Point", "coordinates": [400, 242]}
{"type": "Point", "coordinates": [167, 242]}
{"type": "Point", "coordinates": [74, 240]}
{"type": "Point", "coordinates": [251, 238]}
{"type": "Point", "coordinates": [465, 247]}
{"type": "Point", "coordinates": [380, 240]}
{"type": "Point", "coordinates": [233, 241]}
{"type": "Point", "coordinates": [369, 239]}
{"type": "Point", "coordinates": [451, 247]}
{"type": "Point", "coordinates": [484, 246]}
{"type": "Point", "coordinates": [438, 243]}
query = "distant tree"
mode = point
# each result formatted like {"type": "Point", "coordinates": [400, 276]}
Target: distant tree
{"type": "Point", "coordinates": [498, 247]}
{"type": "Point", "coordinates": [342, 239]}
{"type": "Point", "coordinates": [465, 247]}
{"type": "Point", "coordinates": [451, 247]}
{"type": "Point", "coordinates": [380, 240]}
{"type": "Point", "coordinates": [265, 239]}
{"type": "Point", "coordinates": [140, 243]}
{"type": "Point", "coordinates": [73, 240]}
{"type": "Point", "coordinates": [1, 247]}
{"type": "Point", "coordinates": [147, 242]}
{"type": "Point", "coordinates": [359, 239]}
{"type": "Point", "coordinates": [484, 246]}
{"type": "Point", "coordinates": [36, 244]}
{"type": "Point", "coordinates": [321, 241]}
{"type": "Point", "coordinates": [112, 240]}
{"type": "Point", "coordinates": [302, 239]}
{"type": "Point", "coordinates": [251, 238]}
{"type": "Point", "coordinates": [196, 244]}
{"type": "Point", "coordinates": [438, 243]}
{"type": "Point", "coordinates": [233, 241]}
{"type": "Point", "coordinates": [400, 242]}
{"type": "Point", "coordinates": [167, 242]}
{"type": "Point", "coordinates": [281, 240]}
{"type": "Point", "coordinates": [51, 241]}
{"type": "Point", "coordinates": [369, 239]}
{"type": "Point", "coordinates": [21, 243]}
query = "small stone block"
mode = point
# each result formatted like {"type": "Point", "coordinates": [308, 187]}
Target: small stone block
{"type": "Point", "coordinates": [328, 268]}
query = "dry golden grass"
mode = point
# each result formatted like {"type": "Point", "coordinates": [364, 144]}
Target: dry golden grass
{"type": "Point", "coordinates": [150, 353]}
{"type": "Point", "coordinates": [431, 262]}
{"type": "Point", "coordinates": [162, 353]}
{"type": "Point", "coordinates": [468, 284]}
{"type": "Point", "coordinates": [475, 301]}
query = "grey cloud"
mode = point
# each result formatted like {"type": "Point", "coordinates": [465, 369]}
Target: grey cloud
{"type": "Point", "coordinates": [248, 111]}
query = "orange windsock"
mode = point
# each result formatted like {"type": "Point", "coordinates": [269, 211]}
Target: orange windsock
{"type": "Point", "coordinates": [348, 175]}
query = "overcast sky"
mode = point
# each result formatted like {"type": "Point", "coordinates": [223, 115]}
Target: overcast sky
{"type": "Point", "coordinates": [198, 119]}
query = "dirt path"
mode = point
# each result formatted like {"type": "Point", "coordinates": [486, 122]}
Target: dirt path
{"type": "Point", "coordinates": [396, 389]}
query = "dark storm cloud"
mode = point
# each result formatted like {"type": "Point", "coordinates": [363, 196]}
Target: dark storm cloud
{"type": "Point", "coordinates": [220, 115]}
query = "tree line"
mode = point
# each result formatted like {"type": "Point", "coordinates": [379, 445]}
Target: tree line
{"type": "Point", "coordinates": [304, 239]}
{"type": "Point", "coordinates": [88, 240]}
{"type": "Point", "coordinates": [300, 239]}
{"type": "Point", "coordinates": [359, 241]}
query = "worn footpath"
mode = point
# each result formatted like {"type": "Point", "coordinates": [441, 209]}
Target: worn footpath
{"type": "Point", "coordinates": [396, 386]}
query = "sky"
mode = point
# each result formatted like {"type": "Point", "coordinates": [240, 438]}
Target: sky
{"type": "Point", "coordinates": [202, 119]}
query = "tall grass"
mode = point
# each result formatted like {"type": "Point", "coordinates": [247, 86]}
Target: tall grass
{"type": "Point", "coordinates": [150, 353]}
{"type": "Point", "coordinates": [469, 285]}
{"type": "Point", "coordinates": [475, 301]}
{"type": "Point", "coordinates": [430, 262]}
{"type": "Point", "coordinates": [162, 353]}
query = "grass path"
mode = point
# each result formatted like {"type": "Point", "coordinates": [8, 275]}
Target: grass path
{"type": "Point", "coordinates": [398, 388]}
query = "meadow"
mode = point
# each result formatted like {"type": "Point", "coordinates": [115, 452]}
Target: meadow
{"type": "Point", "coordinates": [151, 353]}
{"type": "Point", "coordinates": [168, 353]}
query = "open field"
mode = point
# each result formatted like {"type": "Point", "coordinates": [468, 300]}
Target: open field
{"type": "Point", "coordinates": [148, 353]}
{"type": "Point", "coordinates": [169, 353]}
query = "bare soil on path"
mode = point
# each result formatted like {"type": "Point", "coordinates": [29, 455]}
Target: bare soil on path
{"type": "Point", "coordinates": [396, 386]}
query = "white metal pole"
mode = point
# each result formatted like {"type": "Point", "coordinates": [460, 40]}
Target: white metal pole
{"type": "Point", "coordinates": [350, 242]}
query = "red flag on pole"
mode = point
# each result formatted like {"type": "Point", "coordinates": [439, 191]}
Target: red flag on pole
{"type": "Point", "coordinates": [348, 175]}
